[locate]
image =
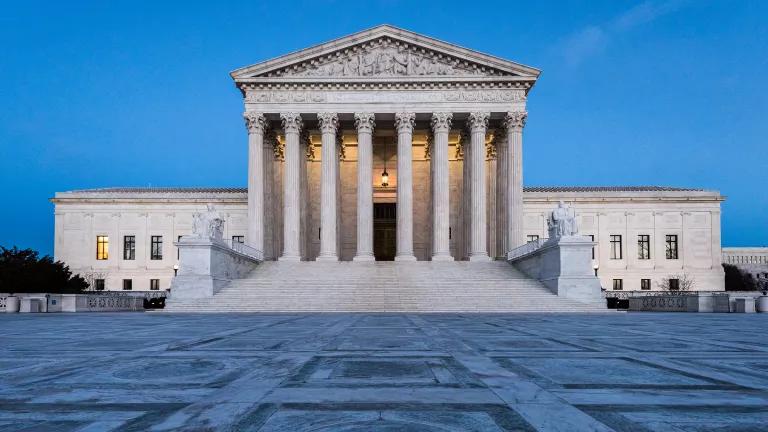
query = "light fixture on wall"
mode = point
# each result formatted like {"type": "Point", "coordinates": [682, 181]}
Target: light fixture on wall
{"type": "Point", "coordinates": [385, 174]}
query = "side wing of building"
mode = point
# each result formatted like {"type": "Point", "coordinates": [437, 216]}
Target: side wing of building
{"type": "Point", "coordinates": [651, 233]}
{"type": "Point", "coordinates": [127, 234]}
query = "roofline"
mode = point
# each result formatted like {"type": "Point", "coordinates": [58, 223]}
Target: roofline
{"type": "Point", "coordinates": [381, 30]}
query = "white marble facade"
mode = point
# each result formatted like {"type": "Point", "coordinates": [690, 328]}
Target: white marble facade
{"type": "Point", "coordinates": [447, 125]}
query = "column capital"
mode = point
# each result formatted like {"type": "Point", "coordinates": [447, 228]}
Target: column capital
{"type": "Point", "coordinates": [515, 119]}
{"type": "Point", "coordinates": [255, 121]}
{"type": "Point", "coordinates": [291, 122]}
{"type": "Point", "coordinates": [441, 121]}
{"type": "Point", "coordinates": [478, 121]}
{"type": "Point", "coordinates": [405, 121]}
{"type": "Point", "coordinates": [365, 122]}
{"type": "Point", "coordinates": [328, 121]}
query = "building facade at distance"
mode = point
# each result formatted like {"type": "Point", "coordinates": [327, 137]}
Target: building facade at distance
{"type": "Point", "coordinates": [387, 145]}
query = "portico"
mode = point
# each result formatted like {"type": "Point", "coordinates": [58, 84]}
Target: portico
{"type": "Point", "coordinates": [358, 97]}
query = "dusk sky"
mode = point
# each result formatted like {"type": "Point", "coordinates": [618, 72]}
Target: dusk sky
{"type": "Point", "coordinates": [100, 94]}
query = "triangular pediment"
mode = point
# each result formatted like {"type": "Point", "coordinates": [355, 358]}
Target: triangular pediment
{"type": "Point", "coordinates": [384, 52]}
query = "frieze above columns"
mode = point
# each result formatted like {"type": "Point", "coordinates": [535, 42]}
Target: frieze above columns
{"type": "Point", "coordinates": [362, 96]}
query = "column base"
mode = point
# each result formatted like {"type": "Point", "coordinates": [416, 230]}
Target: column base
{"type": "Point", "coordinates": [327, 258]}
{"type": "Point", "coordinates": [294, 258]}
{"type": "Point", "coordinates": [442, 258]}
{"type": "Point", "coordinates": [405, 258]}
{"type": "Point", "coordinates": [364, 258]}
{"type": "Point", "coordinates": [480, 258]}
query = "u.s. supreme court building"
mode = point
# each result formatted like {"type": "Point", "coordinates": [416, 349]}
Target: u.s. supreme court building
{"type": "Point", "coordinates": [387, 162]}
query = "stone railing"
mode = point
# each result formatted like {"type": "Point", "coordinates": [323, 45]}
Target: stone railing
{"type": "Point", "coordinates": [528, 248]}
{"type": "Point", "coordinates": [207, 264]}
{"type": "Point", "coordinates": [564, 265]}
{"type": "Point", "coordinates": [106, 301]}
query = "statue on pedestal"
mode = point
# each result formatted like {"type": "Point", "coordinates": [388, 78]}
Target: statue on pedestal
{"type": "Point", "coordinates": [562, 222]}
{"type": "Point", "coordinates": [208, 225]}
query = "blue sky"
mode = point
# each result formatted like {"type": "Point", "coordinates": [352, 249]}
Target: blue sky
{"type": "Point", "coordinates": [138, 93]}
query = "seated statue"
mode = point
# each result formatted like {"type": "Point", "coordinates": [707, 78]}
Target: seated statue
{"type": "Point", "coordinates": [208, 225]}
{"type": "Point", "coordinates": [562, 221]}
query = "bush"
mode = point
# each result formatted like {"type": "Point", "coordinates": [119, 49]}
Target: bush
{"type": "Point", "coordinates": [737, 280]}
{"type": "Point", "coordinates": [23, 271]}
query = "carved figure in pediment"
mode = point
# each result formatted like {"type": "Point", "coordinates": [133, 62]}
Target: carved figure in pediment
{"type": "Point", "coordinates": [368, 64]}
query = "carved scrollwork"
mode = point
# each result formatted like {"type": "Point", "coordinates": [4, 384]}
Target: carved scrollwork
{"type": "Point", "coordinates": [441, 121]}
{"type": "Point", "coordinates": [291, 122]}
{"type": "Point", "coordinates": [478, 121]}
{"type": "Point", "coordinates": [365, 122]}
{"type": "Point", "coordinates": [516, 119]}
{"type": "Point", "coordinates": [404, 122]}
{"type": "Point", "coordinates": [254, 121]}
{"type": "Point", "coordinates": [328, 122]}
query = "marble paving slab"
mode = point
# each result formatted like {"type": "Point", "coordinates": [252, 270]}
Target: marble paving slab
{"type": "Point", "coordinates": [384, 372]}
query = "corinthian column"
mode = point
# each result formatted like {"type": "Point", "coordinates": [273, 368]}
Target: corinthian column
{"type": "Point", "coordinates": [441, 125]}
{"type": "Point", "coordinates": [292, 125]}
{"type": "Point", "coordinates": [478, 123]}
{"type": "Point", "coordinates": [255, 123]}
{"type": "Point", "coordinates": [365, 124]}
{"type": "Point", "coordinates": [515, 121]}
{"type": "Point", "coordinates": [329, 122]}
{"type": "Point", "coordinates": [404, 123]}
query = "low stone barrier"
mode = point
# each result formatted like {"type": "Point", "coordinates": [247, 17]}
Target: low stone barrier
{"type": "Point", "coordinates": [698, 302]}
{"type": "Point", "coordinates": [85, 302]}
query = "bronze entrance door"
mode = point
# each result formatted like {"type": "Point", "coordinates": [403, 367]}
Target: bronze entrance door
{"type": "Point", "coordinates": [384, 231]}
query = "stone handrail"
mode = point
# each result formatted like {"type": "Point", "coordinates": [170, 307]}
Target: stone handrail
{"type": "Point", "coordinates": [525, 249]}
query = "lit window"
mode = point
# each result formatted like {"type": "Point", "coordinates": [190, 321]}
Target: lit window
{"type": "Point", "coordinates": [98, 284]}
{"type": "Point", "coordinates": [129, 248]}
{"type": "Point", "coordinates": [618, 284]}
{"type": "Point", "coordinates": [533, 238]}
{"type": "Point", "coordinates": [127, 284]}
{"type": "Point", "coordinates": [671, 246]}
{"type": "Point", "coordinates": [645, 284]}
{"type": "Point", "coordinates": [102, 247]}
{"type": "Point", "coordinates": [156, 250]}
{"type": "Point", "coordinates": [616, 247]}
{"type": "Point", "coordinates": [644, 247]}
{"type": "Point", "coordinates": [154, 284]}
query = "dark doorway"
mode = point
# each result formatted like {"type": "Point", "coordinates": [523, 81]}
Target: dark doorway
{"type": "Point", "coordinates": [384, 231]}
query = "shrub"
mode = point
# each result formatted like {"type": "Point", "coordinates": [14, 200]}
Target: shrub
{"type": "Point", "coordinates": [23, 271]}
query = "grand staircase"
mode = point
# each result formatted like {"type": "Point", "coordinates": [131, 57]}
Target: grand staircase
{"type": "Point", "coordinates": [383, 287]}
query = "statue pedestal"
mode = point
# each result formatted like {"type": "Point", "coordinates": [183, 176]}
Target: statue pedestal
{"type": "Point", "coordinates": [564, 265]}
{"type": "Point", "coordinates": [205, 266]}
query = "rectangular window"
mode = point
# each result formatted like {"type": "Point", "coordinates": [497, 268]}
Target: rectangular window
{"type": "Point", "coordinates": [178, 251]}
{"type": "Point", "coordinates": [592, 238]}
{"type": "Point", "coordinates": [533, 238]}
{"type": "Point", "coordinates": [102, 247]}
{"type": "Point", "coordinates": [238, 239]}
{"type": "Point", "coordinates": [645, 284]}
{"type": "Point", "coordinates": [672, 246]}
{"type": "Point", "coordinates": [618, 284]}
{"type": "Point", "coordinates": [644, 247]}
{"type": "Point", "coordinates": [154, 284]}
{"type": "Point", "coordinates": [127, 284]}
{"type": "Point", "coordinates": [616, 247]}
{"type": "Point", "coordinates": [129, 248]}
{"type": "Point", "coordinates": [156, 250]}
{"type": "Point", "coordinates": [98, 284]}
{"type": "Point", "coordinates": [674, 284]}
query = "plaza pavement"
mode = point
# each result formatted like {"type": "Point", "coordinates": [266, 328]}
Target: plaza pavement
{"type": "Point", "coordinates": [379, 372]}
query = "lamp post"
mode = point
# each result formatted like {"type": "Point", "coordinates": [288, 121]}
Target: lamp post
{"type": "Point", "coordinates": [595, 266]}
{"type": "Point", "coordinates": [175, 269]}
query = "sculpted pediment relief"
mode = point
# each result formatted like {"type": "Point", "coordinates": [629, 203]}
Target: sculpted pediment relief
{"type": "Point", "coordinates": [384, 58]}
{"type": "Point", "coordinates": [384, 52]}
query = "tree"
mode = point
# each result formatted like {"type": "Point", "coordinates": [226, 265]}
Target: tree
{"type": "Point", "coordinates": [738, 280]}
{"type": "Point", "coordinates": [23, 271]}
{"type": "Point", "coordinates": [685, 282]}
